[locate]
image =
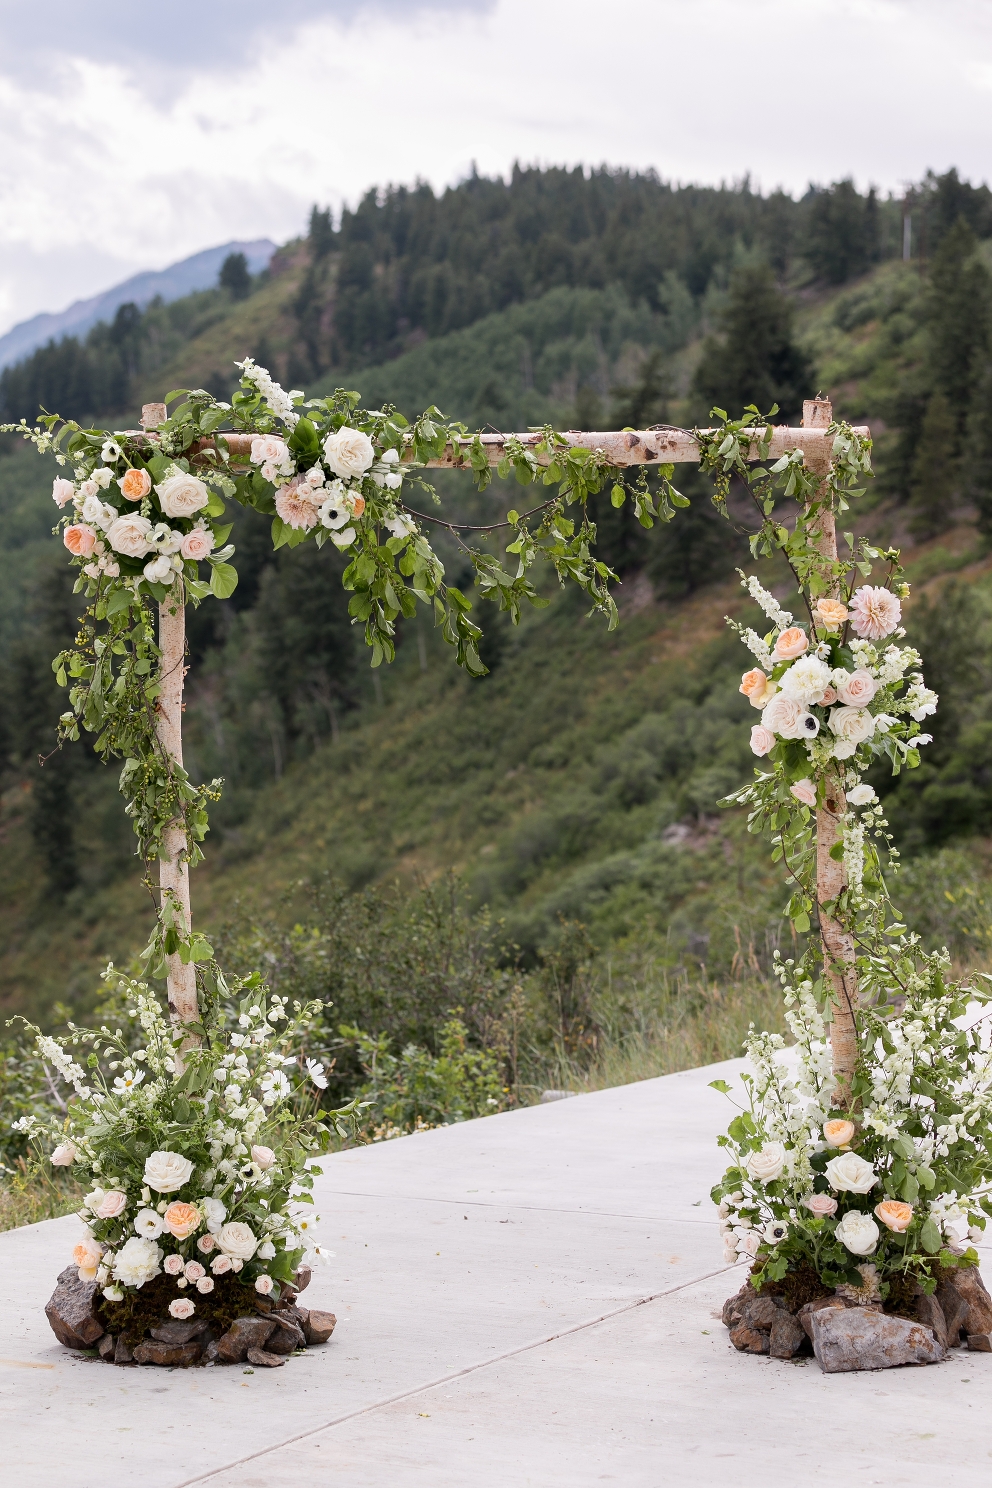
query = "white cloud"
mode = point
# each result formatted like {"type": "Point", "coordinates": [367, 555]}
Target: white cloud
{"type": "Point", "coordinates": [109, 164]}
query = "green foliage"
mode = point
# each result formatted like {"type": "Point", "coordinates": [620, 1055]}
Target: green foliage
{"type": "Point", "coordinates": [757, 360]}
{"type": "Point", "coordinates": [234, 276]}
{"type": "Point", "coordinates": [415, 1089]}
{"type": "Point", "coordinates": [841, 231]}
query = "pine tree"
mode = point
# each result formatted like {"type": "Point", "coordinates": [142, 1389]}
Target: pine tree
{"type": "Point", "coordinates": [958, 312]}
{"type": "Point", "coordinates": [757, 361]}
{"type": "Point", "coordinates": [934, 482]}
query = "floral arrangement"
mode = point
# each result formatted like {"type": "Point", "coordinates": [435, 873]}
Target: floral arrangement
{"type": "Point", "coordinates": [875, 1148]}
{"type": "Point", "coordinates": [203, 1180]}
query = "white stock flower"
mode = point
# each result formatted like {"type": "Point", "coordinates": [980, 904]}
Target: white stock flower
{"type": "Point", "coordinates": [849, 1173]}
{"type": "Point", "coordinates": [349, 452]}
{"type": "Point", "coordinates": [167, 1171]}
{"type": "Point", "coordinates": [858, 1232]}
{"type": "Point", "coordinates": [768, 602]}
{"type": "Point", "coordinates": [137, 1261]}
{"type": "Point", "coordinates": [401, 525]}
{"type": "Point", "coordinates": [768, 1164]}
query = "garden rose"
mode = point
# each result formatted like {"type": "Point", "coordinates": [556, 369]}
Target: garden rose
{"type": "Point", "coordinates": [748, 1245]}
{"type": "Point", "coordinates": [220, 1264]}
{"type": "Point", "coordinates": [861, 795]}
{"type": "Point", "coordinates": [827, 698]}
{"type": "Point", "coordinates": [858, 1232]}
{"type": "Point", "coordinates": [213, 1212]}
{"type": "Point", "coordinates": [831, 612]}
{"type": "Point", "coordinates": [193, 1271]}
{"type": "Point", "coordinates": [64, 1155]}
{"type": "Point", "coordinates": [855, 689]}
{"type": "Point", "coordinates": [768, 1164]}
{"type": "Point", "coordinates": [206, 1243]}
{"type": "Point", "coordinates": [160, 570]}
{"type": "Point", "coordinates": [62, 490]}
{"type": "Point", "coordinates": [349, 452]}
{"type": "Point", "coordinates": [762, 740]}
{"type": "Point", "coordinates": [851, 726]}
{"type": "Point", "coordinates": [182, 1308]}
{"type": "Point", "coordinates": [263, 1284]}
{"type": "Point", "coordinates": [87, 1256]}
{"type": "Point", "coordinates": [182, 495]}
{"type": "Point", "coordinates": [895, 1215]}
{"type": "Point", "coordinates": [205, 1285]}
{"type": "Point", "coordinates": [753, 682]}
{"type": "Point", "coordinates": [875, 613]}
{"type": "Point", "coordinates": [269, 449]}
{"type": "Point", "coordinates": [112, 1204]}
{"type": "Point", "coordinates": [173, 1265]}
{"type": "Point", "coordinates": [79, 539]}
{"type": "Point", "coordinates": [167, 1171]}
{"type": "Point", "coordinates": [789, 719]}
{"type": "Point", "coordinates": [137, 1261]}
{"type": "Point", "coordinates": [182, 1219]}
{"type": "Point", "coordinates": [838, 1133]}
{"type": "Point", "coordinates": [263, 1156]}
{"type": "Point", "coordinates": [149, 1224]}
{"type": "Point", "coordinates": [821, 1206]}
{"type": "Point", "coordinates": [790, 644]}
{"type": "Point", "coordinates": [806, 680]}
{"type": "Point", "coordinates": [805, 791]}
{"type": "Point", "coordinates": [129, 535]}
{"type": "Point", "coordinates": [237, 1240]}
{"type": "Point", "coordinates": [135, 484]}
{"type": "Point", "coordinates": [849, 1173]}
{"type": "Point", "coordinates": [197, 544]}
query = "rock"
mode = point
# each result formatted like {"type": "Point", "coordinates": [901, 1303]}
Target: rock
{"type": "Point", "coordinates": [265, 1305]}
{"type": "Point", "coordinates": [285, 1337]}
{"type": "Point", "coordinates": [319, 1326]}
{"type": "Point", "coordinates": [244, 1333]}
{"type": "Point", "coordinates": [760, 1311]}
{"type": "Point", "coordinates": [929, 1312]}
{"type": "Point", "coordinates": [180, 1332]}
{"type": "Point", "coordinates": [70, 1311]}
{"type": "Point", "coordinates": [980, 1343]}
{"type": "Point", "coordinates": [151, 1351]}
{"type": "Point", "coordinates": [210, 1354]}
{"type": "Point", "coordinates": [265, 1361]}
{"type": "Point", "coordinates": [860, 1338]}
{"type": "Point", "coordinates": [123, 1353]}
{"type": "Point", "coordinates": [106, 1347]}
{"type": "Point", "coordinates": [733, 1308]}
{"type": "Point", "coordinates": [805, 1314]}
{"type": "Point", "coordinates": [965, 1302]}
{"type": "Point", "coordinates": [750, 1340]}
{"type": "Point", "coordinates": [787, 1335]}
{"type": "Point", "coordinates": [303, 1276]}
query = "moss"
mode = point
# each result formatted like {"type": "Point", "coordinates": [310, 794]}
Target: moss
{"type": "Point", "coordinates": [798, 1286]}
{"type": "Point", "coordinates": [147, 1307]}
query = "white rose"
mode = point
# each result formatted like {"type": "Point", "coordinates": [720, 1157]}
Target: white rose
{"type": "Point", "coordinates": [129, 535]}
{"type": "Point", "coordinates": [103, 477]}
{"type": "Point", "coordinates": [767, 1165]}
{"type": "Point", "coordinates": [849, 1173]}
{"type": "Point", "coordinates": [213, 1212]}
{"type": "Point", "coordinates": [182, 495]}
{"type": "Point", "coordinates": [851, 725]}
{"type": "Point", "coordinates": [64, 1155]}
{"type": "Point", "coordinates": [861, 795]}
{"type": "Point", "coordinates": [237, 1240]}
{"type": "Point", "coordinates": [857, 1231]}
{"type": "Point", "coordinates": [349, 452]}
{"type": "Point", "coordinates": [137, 1261]}
{"type": "Point", "coordinates": [806, 680]}
{"type": "Point", "coordinates": [149, 1224]}
{"type": "Point", "coordinates": [266, 1251]}
{"type": "Point", "coordinates": [788, 718]}
{"type": "Point", "coordinates": [167, 1171]}
{"type": "Point", "coordinates": [99, 513]}
{"type": "Point", "coordinates": [264, 1156]}
{"type": "Point", "coordinates": [160, 570]}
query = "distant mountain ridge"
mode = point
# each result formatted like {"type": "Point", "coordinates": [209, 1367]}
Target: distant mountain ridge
{"type": "Point", "coordinates": [190, 274]}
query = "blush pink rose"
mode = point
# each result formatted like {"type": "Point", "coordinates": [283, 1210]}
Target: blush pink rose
{"type": "Point", "coordinates": [112, 1204]}
{"type": "Point", "coordinates": [857, 690]}
{"type": "Point", "coordinates": [182, 1308]}
{"type": "Point", "coordinates": [829, 696]}
{"type": "Point", "coordinates": [762, 740]}
{"type": "Point", "coordinates": [62, 490]}
{"type": "Point", "coordinates": [173, 1265]}
{"type": "Point", "coordinates": [79, 539]}
{"type": "Point", "coordinates": [821, 1206]}
{"type": "Point", "coordinates": [206, 1243]}
{"type": "Point", "coordinates": [804, 791]}
{"type": "Point", "coordinates": [791, 643]}
{"type": "Point", "coordinates": [193, 1271]}
{"type": "Point", "coordinates": [221, 1264]}
{"type": "Point", "coordinates": [197, 544]}
{"type": "Point", "coordinates": [875, 613]}
{"type": "Point", "coordinates": [263, 1284]}
{"type": "Point", "coordinates": [205, 1284]}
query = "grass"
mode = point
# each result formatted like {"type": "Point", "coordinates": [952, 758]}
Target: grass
{"type": "Point", "coordinates": [28, 1195]}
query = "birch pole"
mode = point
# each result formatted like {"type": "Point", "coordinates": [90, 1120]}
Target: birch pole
{"type": "Point", "coordinates": [838, 943]}
{"type": "Point", "coordinates": [173, 868]}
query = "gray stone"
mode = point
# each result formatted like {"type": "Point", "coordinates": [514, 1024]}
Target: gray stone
{"type": "Point", "coordinates": [70, 1311]}
{"type": "Point", "coordinates": [264, 1360]}
{"type": "Point", "coordinates": [177, 1331]}
{"type": "Point", "coordinates": [151, 1351]}
{"type": "Point", "coordinates": [244, 1333]}
{"type": "Point", "coordinates": [285, 1337]}
{"type": "Point", "coordinates": [319, 1326]}
{"type": "Point", "coordinates": [805, 1314]}
{"type": "Point", "coordinates": [980, 1343]}
{"type": "Point", "coordinates": [733, 1308]}
{"type": "Point", "coordinates": [302, 1280]}
{"type": "Point", "coordinates": [123, 1353]}
{"type": "Point", "coordinates": [861, 1338]}
{"type": "Point", "coordinates": [787, 1335]}
{"type": "Point", "coordinates": [106, 1347]}
{"type": "Point", "coordinates": [760, 1311]}
{"type": "Point", "coordinates": [965, 1301]}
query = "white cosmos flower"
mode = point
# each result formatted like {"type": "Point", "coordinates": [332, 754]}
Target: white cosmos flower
{"type": "Point", "coordinates": [316, 1073]}
{"type": "Point", "coordinates": [128, 1080]}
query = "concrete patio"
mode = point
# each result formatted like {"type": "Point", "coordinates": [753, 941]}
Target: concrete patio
{"type": "Point", "coordinates": [529, 1299]}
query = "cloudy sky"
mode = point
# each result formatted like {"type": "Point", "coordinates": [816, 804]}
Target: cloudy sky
{"type": "Point", "coordinates": [136, 133]}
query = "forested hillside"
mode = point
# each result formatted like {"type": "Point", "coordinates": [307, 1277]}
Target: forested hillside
{"type": "Point", "coordinates": [577, 782]}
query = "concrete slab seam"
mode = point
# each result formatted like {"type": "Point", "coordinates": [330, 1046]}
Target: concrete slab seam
{"type": "Point", "coordinates": [348, 1193]}
{"type": "Point", "coordinates": [446, 1379]}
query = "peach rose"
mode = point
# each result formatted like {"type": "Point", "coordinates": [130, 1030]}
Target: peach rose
{"type": "Point", "coordinates": [790, 644]}
{"type": "Point", "coordinates": [804, 791]}
{"type": "Point", "coordinates": [895, 1215]}
{"type": "Point", "coordinates": [839, 1133]}
{"type": "Point", "coordinates": [87, 1256]}
{"type": "Point", "coordinates": [831, 612]}
{"type": "Point", "coordinates": [197, 544]}
{"type": "Point", "coordinates": [753, 683]}
{"type": "Point", "coordinates": [79, 539]}
{"type": "Point", "coordinates": [829, 697]}
{"type": "Point", "coordinates": [111, 1204]}
{"type": "Point", "coordinates": [762, 740]}
{"type": "Point", "coordinates": [357, 504]}
{"type": "Point", "coordinates": [181, 1219]}
{"type": "Point", "coordinates": [135, 484]}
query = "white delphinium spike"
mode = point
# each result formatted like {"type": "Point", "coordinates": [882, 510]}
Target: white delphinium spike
{"type": "Point", "coordinates": [768, 602]}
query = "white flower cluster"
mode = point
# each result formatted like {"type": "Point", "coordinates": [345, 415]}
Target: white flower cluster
{"type": "Point", "coordinates": [281, 402]}
{"type": "Point", "coordinates": [768, 602]}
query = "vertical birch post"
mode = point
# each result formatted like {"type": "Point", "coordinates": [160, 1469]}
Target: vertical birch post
{"type": "Point", "coordinates": [173, 870]}
{"type": "Point", "coordinates": [838, 943]}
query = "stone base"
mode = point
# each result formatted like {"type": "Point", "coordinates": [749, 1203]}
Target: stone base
{"type": "Point", "coordinates": [845, 1334]}
{"type": "Point", "coordinates": [264, 1337]}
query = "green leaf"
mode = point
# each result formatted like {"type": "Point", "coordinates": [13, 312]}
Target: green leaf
{"type": "Point", "coordinates": [720, 1085]}
{"type": "Point", "coordinates": [223, 580]}
{"type": "Point", "coordinates": [930, 1237]}
{"type": "Point", "coordinates": [117, 600]}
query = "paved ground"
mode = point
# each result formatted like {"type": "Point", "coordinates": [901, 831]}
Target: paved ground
{"type": "Point", "coordinates": [529, 1300]}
